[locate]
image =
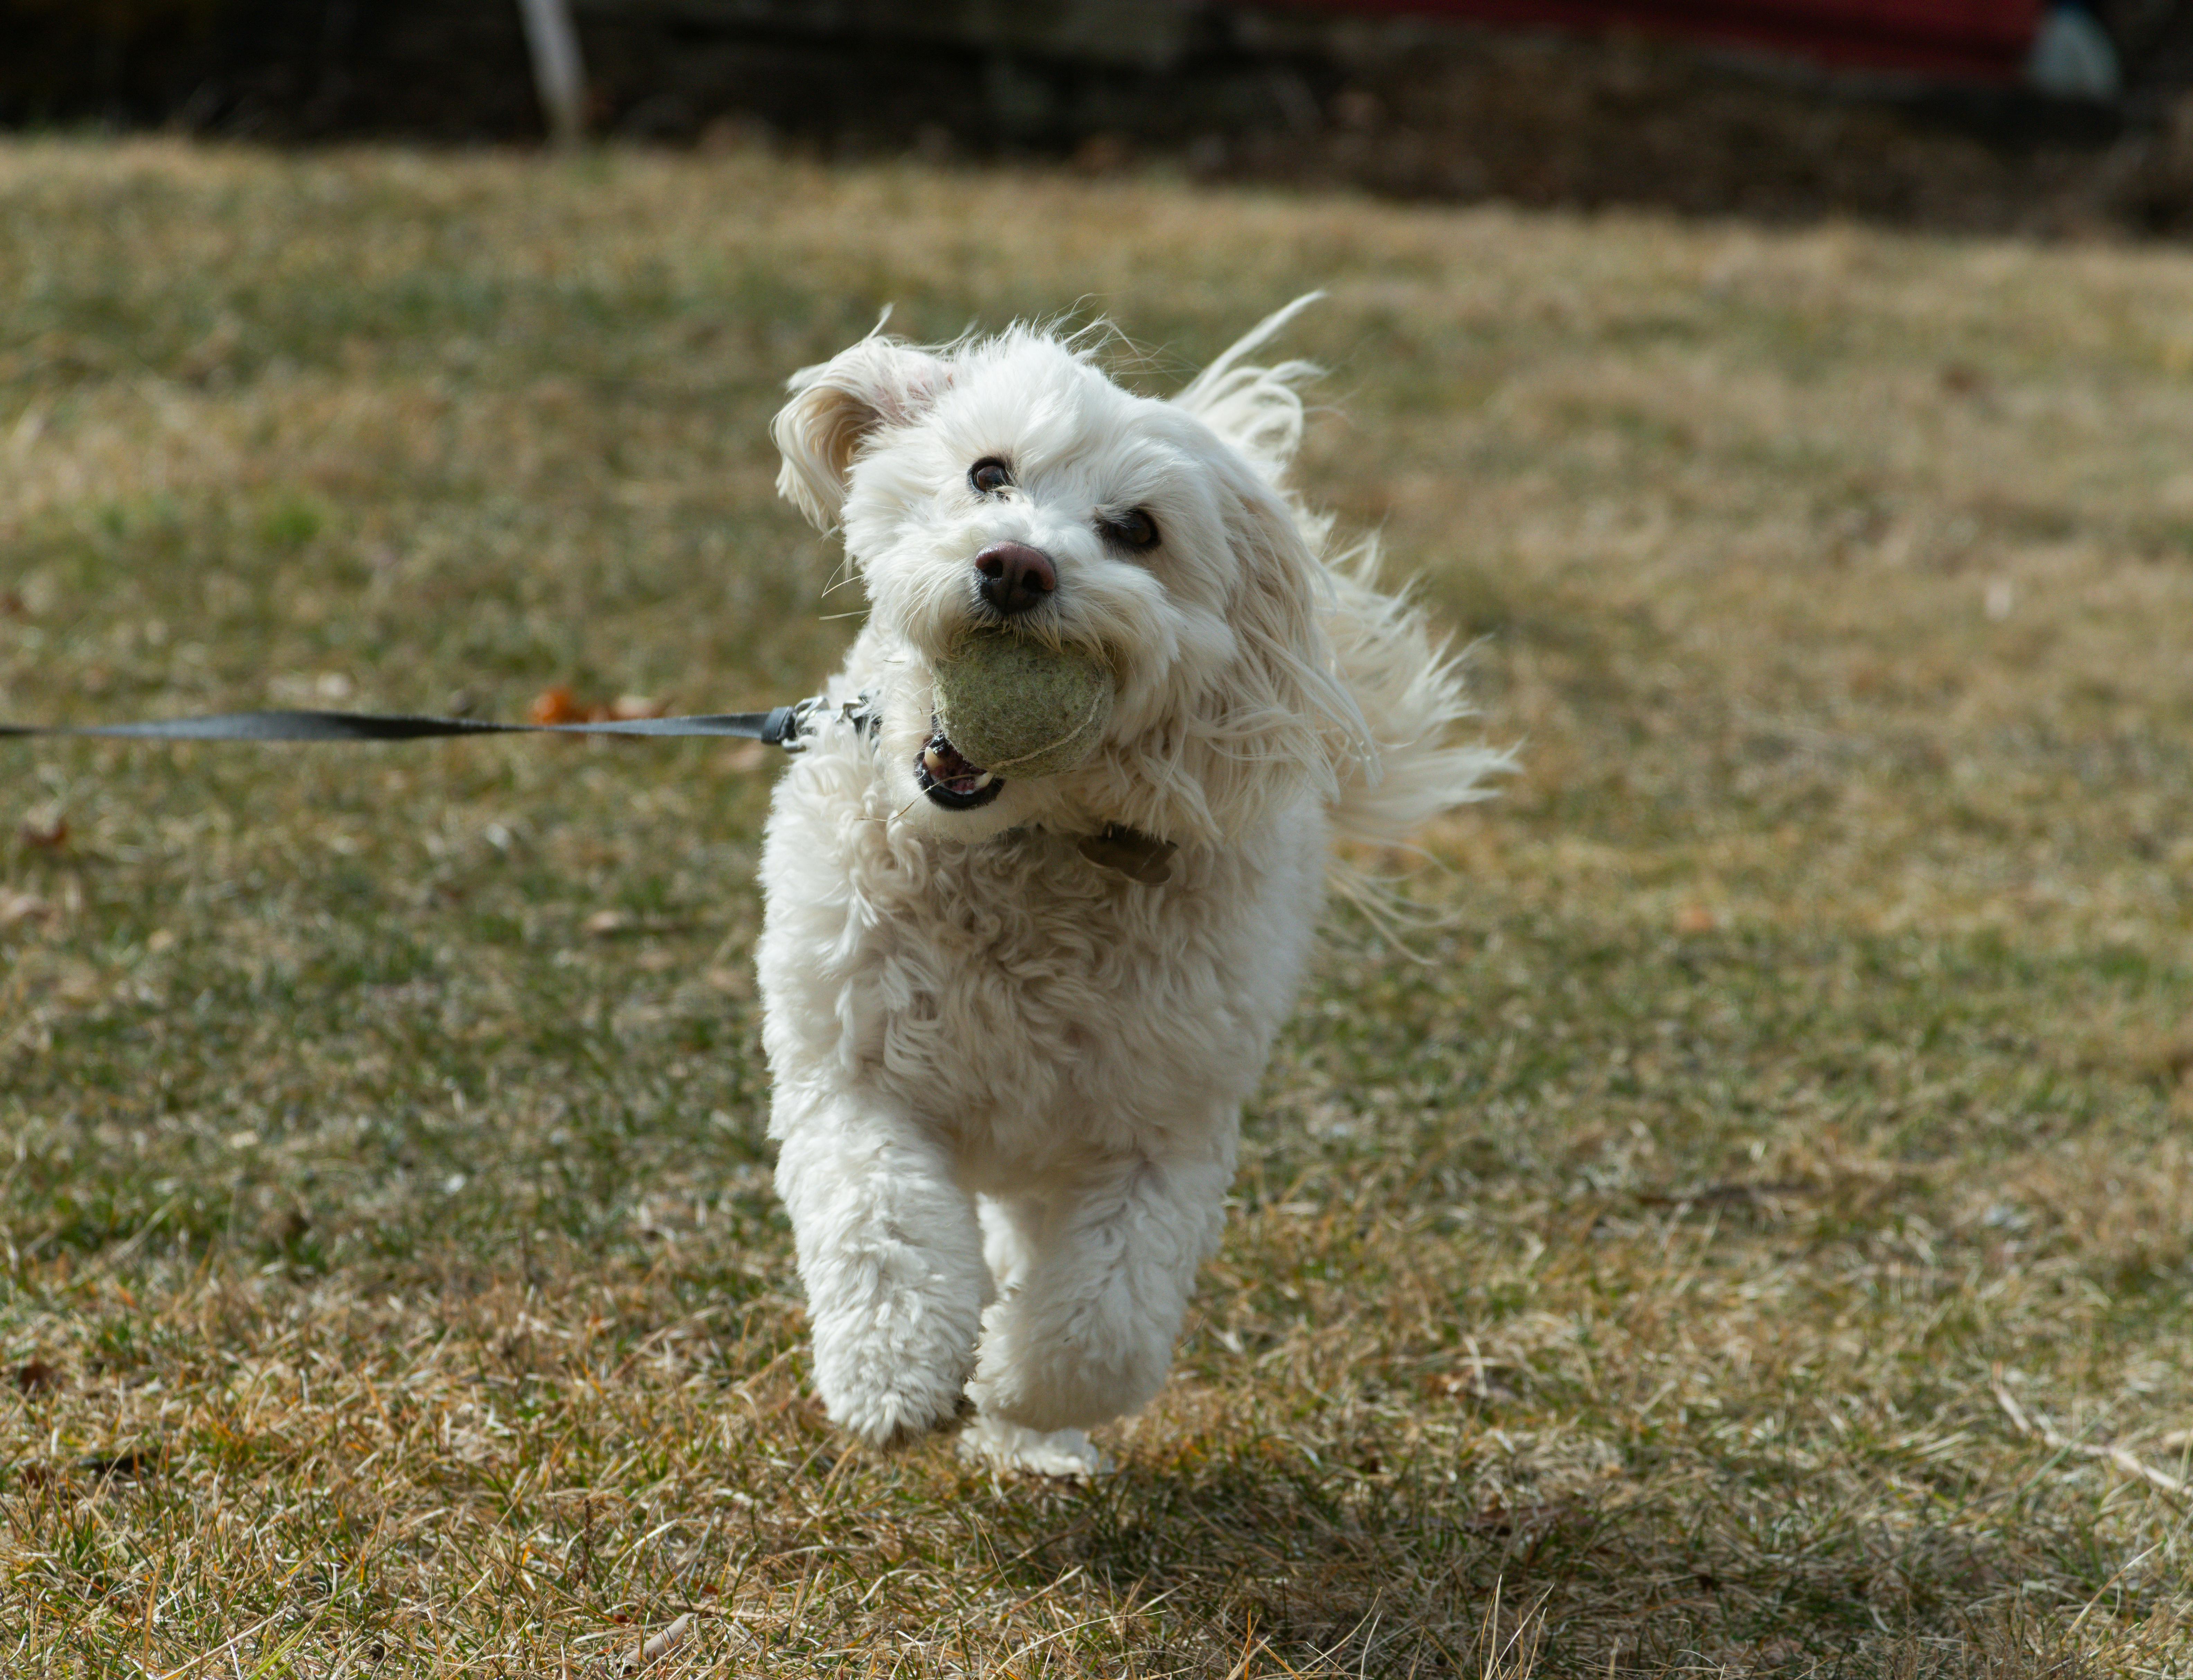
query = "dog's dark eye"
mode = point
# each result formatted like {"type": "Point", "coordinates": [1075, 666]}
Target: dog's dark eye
{"type": "Point", "coordinates": [989, 475]}
{"type": "Point", "coordinates": [1133, 530]}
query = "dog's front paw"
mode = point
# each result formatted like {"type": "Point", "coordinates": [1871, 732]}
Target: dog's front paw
{"type": "Point", "coordinates": [1049, 1378]}
{"type": "Point", "coordinates": [891, 1383]}
{"type": "Point", "coordinates": [1008, 1447]}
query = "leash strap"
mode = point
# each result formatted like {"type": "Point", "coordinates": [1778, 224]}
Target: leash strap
{"type": "Point", "coordinates": [1137, 856]}
{"type": "Point", "coordinates": [785, 727]}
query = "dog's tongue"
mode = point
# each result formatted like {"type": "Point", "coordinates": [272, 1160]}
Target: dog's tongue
{"type": "Point", "coordinates": [941, 759]}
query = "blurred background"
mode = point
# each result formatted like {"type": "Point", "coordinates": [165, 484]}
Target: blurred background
{"type": "Point", "coordinates": [2014, 115]}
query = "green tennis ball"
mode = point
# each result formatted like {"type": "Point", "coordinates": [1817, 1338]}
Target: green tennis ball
{"type": "Point", "coordinates": [1016, 707]}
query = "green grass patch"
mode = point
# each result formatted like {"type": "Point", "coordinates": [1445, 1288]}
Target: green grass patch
{"type": "Point", "coordinates": [1748, 1233]}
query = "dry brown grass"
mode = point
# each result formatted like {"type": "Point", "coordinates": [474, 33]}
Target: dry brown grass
{"type": "Point", "coordinates": [393, 1284]}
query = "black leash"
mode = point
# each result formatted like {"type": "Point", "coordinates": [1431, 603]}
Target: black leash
{"type": "Point", "coordinates": [785, 727]}
{"type": "Point", "coordinates": [1137, 856]}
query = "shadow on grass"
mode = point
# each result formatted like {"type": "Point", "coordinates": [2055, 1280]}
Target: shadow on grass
{"type": "Point", "coordinates": [1303, 1564]}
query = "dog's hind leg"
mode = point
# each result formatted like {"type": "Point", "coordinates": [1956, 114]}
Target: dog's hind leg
{"type": "Point", "coordinates": [1094, 1276]}
{"type": "Point", "coordinates": [892, 1259]}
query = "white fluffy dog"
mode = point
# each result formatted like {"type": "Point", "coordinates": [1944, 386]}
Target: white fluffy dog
{"type": "Point", "coordinates": [1011, 1020]}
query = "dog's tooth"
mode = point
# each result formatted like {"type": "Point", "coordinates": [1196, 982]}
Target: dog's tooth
{"type": "Point", "coordinates": [982, 779]}
{"type": "Point", "coordinates": [933, 762]}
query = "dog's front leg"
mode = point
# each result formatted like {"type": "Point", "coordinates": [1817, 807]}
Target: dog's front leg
{"type": "Point", "coordinates": [1096, 1276]}
{"type": "Point", "coordinates": [893, 1258]}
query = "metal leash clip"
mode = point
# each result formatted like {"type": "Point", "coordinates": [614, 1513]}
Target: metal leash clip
{"type": "Point", "coordinates": [802, 720]}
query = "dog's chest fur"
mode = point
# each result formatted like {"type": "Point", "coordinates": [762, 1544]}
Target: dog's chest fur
{"type": "Point", "coordinates": [1022, 1002]}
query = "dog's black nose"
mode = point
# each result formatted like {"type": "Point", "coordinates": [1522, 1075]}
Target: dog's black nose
{"type": "Point", "coordinates": [1015, 576]}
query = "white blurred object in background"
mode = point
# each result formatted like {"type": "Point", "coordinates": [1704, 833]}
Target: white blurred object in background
{"type": "Point", "coordinates": [2073, 56]}
{"type": "Point", "coordinates": [559, 75]}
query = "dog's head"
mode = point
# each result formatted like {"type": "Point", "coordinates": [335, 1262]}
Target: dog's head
{"type": "Point", "coordinates": [1008, 483]}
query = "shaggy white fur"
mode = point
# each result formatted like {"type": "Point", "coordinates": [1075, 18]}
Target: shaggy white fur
{"type": "Point", "coordinates": [1008, 1077]}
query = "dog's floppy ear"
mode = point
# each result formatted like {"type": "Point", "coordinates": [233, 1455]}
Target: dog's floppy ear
{"type": "Point", "coordinates": [1281, 717]}
{"type": "Point", "coordinates": [878, 381]}
{"type": "Point", "coordinates": [1278, 613]}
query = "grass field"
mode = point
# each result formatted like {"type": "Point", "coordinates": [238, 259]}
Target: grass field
{"type": "Point", "coordinates": [1752, 1239]}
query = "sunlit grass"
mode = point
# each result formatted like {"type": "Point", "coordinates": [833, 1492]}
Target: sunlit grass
{"type": "Point", "coordinates": [1623, 1283]}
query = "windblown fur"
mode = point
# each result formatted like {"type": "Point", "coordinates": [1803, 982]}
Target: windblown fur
{"type": "Point", "coordinates": [1008, 1079]}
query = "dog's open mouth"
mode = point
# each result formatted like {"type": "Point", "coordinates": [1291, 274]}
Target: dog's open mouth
{"type": "Point", "coordinates": [949, 780]}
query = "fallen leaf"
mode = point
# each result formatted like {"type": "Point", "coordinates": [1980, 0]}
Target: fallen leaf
{"type": "Point", "coordinates": [556, 705]}
{"type": "Point", "coordinates": [45, 831]}
{"type": "Point", "coordinates": [1696, 919]}
{"type": "Point", "coordinates": [606, 923]}
{"type": "Point", "coordinates": [34, 1376]}
{"type": "Point", "coordinates": [1960, 378]}
{"type": "Point", "coordinates": [560, 705]}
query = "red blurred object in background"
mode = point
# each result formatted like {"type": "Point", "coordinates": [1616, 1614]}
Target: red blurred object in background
{"type": "Point", "coordinates": [1983, 39]}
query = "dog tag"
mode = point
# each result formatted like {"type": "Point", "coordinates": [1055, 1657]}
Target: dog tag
{"type": "Point", "coordinates": [1137, 856]}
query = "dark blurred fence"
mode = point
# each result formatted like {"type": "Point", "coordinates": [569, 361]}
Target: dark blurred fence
{"type": "Point", "coordinates": [1377, 95]}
